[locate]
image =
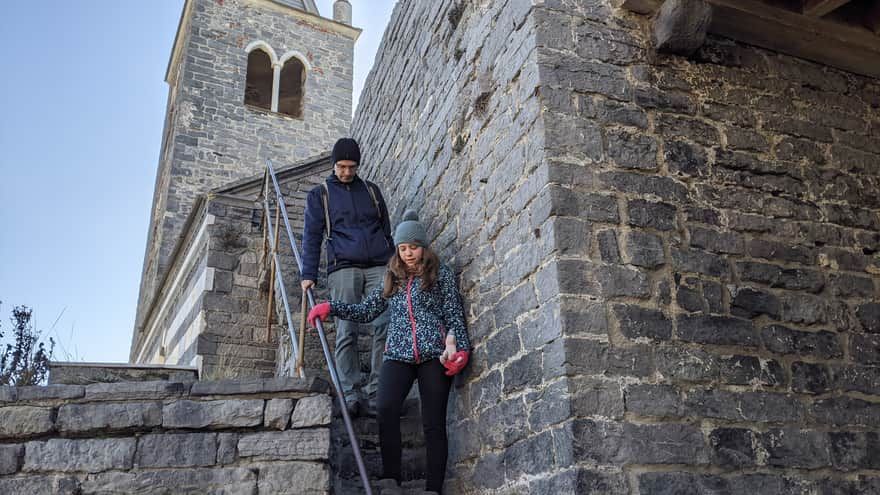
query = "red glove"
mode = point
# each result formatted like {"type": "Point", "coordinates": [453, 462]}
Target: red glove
{"type": "Point", "coordinates": [456, 363]}
{"type": "Point", "coordinates": [321, 311]}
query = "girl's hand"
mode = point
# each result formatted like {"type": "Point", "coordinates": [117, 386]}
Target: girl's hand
{"type": "Point", "coordinates": [456, 363]}
{"type": "Point", "coordinates": [450, 349]}
{"type": "Point", "coordinates": [321, 311]}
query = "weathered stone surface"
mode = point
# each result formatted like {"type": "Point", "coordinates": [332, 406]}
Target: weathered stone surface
{"type": "Point", "coordinates": [794, 448]}
{"type": "Point", "coordinates": [226, 481]}
{"type": "Point", "coordinates": [783, 340]}
{"type": "Point", "coordinates": [73, 373]}
{"type": "Point", "coordinates": [135, 390]}
{"type": "Point", "coordinates": [310, 411]}
{"type": "Point", "coordinates": [645, 250]}
{"type": "Point", "coordinates": [277, 414]}
{"type": "Point", "coordinates": [681, 26]}
{"type": "Point", "coordinates": [10, 458]}
{"type": "Point", "coordinates": [231, 413]}
{"type": "Point", "coordinates": [293, 478]}
{"type": "Point", "coordinates": [7, 393]}
{"type": "Point", "coordinates": [90, 455]}
{"type": "Point", "coordinates": [269, 385]}
{"type": "Point", "coordinates": [227, 448]}
{"type": "Point", "coordinates": [82, 418]}
{"type": "Point", "coordinates": [717, 330]}
{"type": "Point", "coordinates": [176, 450]}
{"type": "Point", "coordinates": [869, 316]}
{"type": "Point", "coordinates": [638, 322]}
{"type": "Point", "coordinates": [732, 447]}
{"type": "Point", "coordinates": [40, 485]}
{"type": "Point", "coordinates": [50, 392]}
{"type": "Point", "coordinates": [611, 443]}
{"type": "Point", "coordinates": [296, 445]}
{"type": "Point", "coordinates": [25, 421]}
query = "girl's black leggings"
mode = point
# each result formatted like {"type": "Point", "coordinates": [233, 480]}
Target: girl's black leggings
{"type": "Point", "coordinates": [395, 380]}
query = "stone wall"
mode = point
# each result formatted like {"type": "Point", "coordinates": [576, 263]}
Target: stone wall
{"type": "Point", "coordinates": [264, 436]}
{"type": "Point", "coordinates": [211, 137]}
{"type": "Point", "coordinates": [670, 265]}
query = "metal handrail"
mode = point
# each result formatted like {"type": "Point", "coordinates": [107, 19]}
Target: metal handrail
{"type": "Point", "coordinates": [331, 365]}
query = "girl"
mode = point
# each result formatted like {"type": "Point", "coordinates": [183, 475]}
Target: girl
{"type": "Point", "coordinates": [427, 341]}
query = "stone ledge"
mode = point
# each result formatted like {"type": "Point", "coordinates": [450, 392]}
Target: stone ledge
{"type": "Point", "coordinates": [72, 373]}
{"type": "Point", "coordinates": [256, 386]}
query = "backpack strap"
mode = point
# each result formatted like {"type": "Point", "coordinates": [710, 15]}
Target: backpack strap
{"type": "Point", "coordinates": [372, 189]}
{"type": "Point", "coordinates": [325, 195]}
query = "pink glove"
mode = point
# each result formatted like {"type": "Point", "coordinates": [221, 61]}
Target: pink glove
{"type": "Point", "coordinates": [321, 311]}
{"type": "Point", "coordinates": [456, 363]}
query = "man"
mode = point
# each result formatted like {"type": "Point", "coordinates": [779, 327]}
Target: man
{"type": "Point", "coordinates": [350, 215]}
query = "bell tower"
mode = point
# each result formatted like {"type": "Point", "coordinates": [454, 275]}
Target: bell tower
{"type": "Point", "coordinates": [248, 80]}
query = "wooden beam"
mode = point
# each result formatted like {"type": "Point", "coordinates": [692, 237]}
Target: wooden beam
{"type": "Point", "coordinates": [818, 8]}
{"type": "Point", "coordinates": [752, 21]}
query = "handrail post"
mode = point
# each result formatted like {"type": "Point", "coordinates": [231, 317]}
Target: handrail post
{"type": "Point", "coordinates": [331, 364]}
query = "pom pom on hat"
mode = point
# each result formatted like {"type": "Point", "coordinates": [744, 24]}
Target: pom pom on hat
{"type": "Point", "coordinates": [410, 231]}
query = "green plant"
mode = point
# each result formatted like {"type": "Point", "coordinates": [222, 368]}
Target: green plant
{"type": "Point", "coordinates": [25, 361]}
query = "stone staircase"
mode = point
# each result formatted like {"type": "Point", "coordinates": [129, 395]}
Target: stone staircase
{"type": "Point", "coordinates": [345, 477]}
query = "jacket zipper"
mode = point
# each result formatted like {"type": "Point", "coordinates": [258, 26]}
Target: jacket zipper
{"type": "Point", "coordinates": [412, 318]}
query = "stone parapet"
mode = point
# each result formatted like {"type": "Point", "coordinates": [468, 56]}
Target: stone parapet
{"type": "Point", "coordinates": [166, 437]}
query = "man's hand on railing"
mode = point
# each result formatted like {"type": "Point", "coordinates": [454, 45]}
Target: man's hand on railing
{"type": "Point", "coordinates": [307, 284]}
{"type": "Point", "coordinates": [321, 311]}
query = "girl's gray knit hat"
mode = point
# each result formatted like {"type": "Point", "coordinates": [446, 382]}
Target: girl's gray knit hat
{"type": "Point", "coordinates": [410, 231]}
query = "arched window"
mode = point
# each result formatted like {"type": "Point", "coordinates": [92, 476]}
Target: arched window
{"type": "Point", "coordinates": [291, 88]}
{"type": "Point", "coordinates": [258, 85]}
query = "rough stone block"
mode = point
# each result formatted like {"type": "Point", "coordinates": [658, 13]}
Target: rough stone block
{"type": "Point", "coordinates": [293, 478]}
{"type": "Point", "coordinates": [176, 450]}
{"type": "Point", "coordinates": [654, 215]}
{"type": "Point", "coordinates": [277, 414]}
{"type": "Point", "coordinates": [794, 448]}
{"type": "Point", "coordinates": [41, 485]}
{"type": "Point", "coordinates": [718, 330]}
{"type": "Point", "coordinates": [732, 447]}
{"type": "Point", "coordinates": [845, 411]}
{"type": "Point", "coordinates": [750, 370]}
{"type": "Point", "coordinates": [10, 458]}
{"type": "Point", "coordinates": [745, 406]}
{"type": "Point", "coordinates": [638, 322]}
{"type": "Point", "coordinates": [134, 390]}
{"type": "Point", "coordinates": [865, 379]}
{"type": "Point", "coordinates": [228, 481]}
{"type": "Point", "coordinates": [616, 443]}
{"type": "Point", "coordinates": [25, 421]}
{"type": "Point", "coordinates": [783, 340]}
{"type": "Point", "coordinates": [855, 450]}
{"type": "Point", "coordinates": [686, 159]}
{"type": "Point", "coordinates": [722, 242]}
{"type": "Point", "coordinates": [644, 250]}
{"type": "Point", "coordinates": [869, 316]}
{"type": "Point", "coordinates": [227, 448]}
{"type": "Point", "coordinates": [546, 405]}
{"type": "Point", "coordinates": [231, 413]}
{"type": "Point", "coordinates": [81, 418]}
{"type": "Point", "coordinates": [89, 455]}
{"type": "Point", "coordinates": [290, 445]}
{"type": "Point", "coordinates": [311, 411]}
{"type": "Point", "coordinates": [747, 302]}
{"type": "Point", "coordinates": [681, 26]}
{"type": "Point", "coordinates": [51, 392]}
{"type": "Point", "coordinates": [592, 357]}
{"type": "Point", "coordinates": [865, 349]}
{"type": "Point", "coordinates": [7, 393]}
{"type": "Point", "coordinates": [525, 372]}
{"type": "Point", "coordinates": [653, 400]}
{"type": "Point", "coordinates": [632, 150]}
{"type": "Point", "coordinates": [608, 249]}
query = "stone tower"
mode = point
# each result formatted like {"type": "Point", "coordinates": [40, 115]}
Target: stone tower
{"type": "Point", "coordinates": [248, 80]}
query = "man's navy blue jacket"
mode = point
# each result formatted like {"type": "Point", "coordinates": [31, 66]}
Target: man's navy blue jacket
{"type": "Point", "coordinates": [360, 236]}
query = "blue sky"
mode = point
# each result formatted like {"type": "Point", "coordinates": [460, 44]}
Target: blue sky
{"type": "Point", "coordinates": [83, 99]}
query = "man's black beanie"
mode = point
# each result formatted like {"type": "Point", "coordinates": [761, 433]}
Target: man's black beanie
{"type": "Point", "coordinates": [346, 149]}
